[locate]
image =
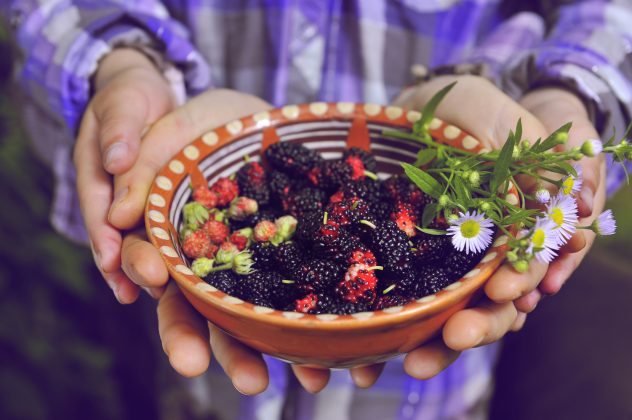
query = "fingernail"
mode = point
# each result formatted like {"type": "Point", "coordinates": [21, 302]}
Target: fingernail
{"type": "Point", "coordinates": [587, 197]}
{"type": "Point", "coordinates": [114, 287]}
{"type": "Point", "coordinates": [151, 292]}
{"type": "Point", "coordinates": [97, 256]}
{"type": "Point", "coordinates": [115, 152]}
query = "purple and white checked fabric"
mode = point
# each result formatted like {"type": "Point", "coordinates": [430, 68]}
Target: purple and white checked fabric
{"type": "Point", "coordinates": [293, 51]}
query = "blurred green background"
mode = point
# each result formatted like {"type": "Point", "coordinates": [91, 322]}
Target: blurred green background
{"type": "Point", "coordinates": [70, 351]}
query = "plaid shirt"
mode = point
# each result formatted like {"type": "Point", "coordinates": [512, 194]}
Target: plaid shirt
{"type": "Point", "coordinates": [331, 50]}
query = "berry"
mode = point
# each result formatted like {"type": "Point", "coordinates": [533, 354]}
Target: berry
{"type": "Point", "coordinates": [362, 256]}
{"type": "Point", "coordinates": [307, 227]}
{"type": "Point", "coordinates": [429, 249]}
{"type": "Point", "coordinates": [242, 207]}
{"type": "Point", "coordinates": [292, 158]}
{"type": "Point", "coordinates": [367, 159]}
{"type": "Point", "coordinates": [433, 279]}
{"type": "Point", "coordinates": [306, 304]}
{"type": "Point", "coordinates": [397, 188]}
{"type": "Point", "coordinates": [318, 275]}
{"type": "Point", "coordinates": [197, 244]}
{"type": "Point", "coordinates": [331, 174]}
{"type": "Point", "coordinates": [458, 263]}
{"type": "Point", "coordinates": [256, 287]}
{"type": "Point", "coordinates": [226, 253]}
{"type": "Point", "coordinates": [367, 190]}
{"type": "Point", "coordinates": [239, 239]}
{"type": "Point", "coordinates": [390, 245]}
{"type": "Point", "coordinates": [251, 179]}
{"type": "Point", "coordinates": [280, 186]}
{"type": "Point", "coordinates": [217, 231]}
{"type": "Point", "coordinates": [390, 300]}
{"type": "Point", "coordinates": [264, 231]}
{"type": "Point", "coordinates": [226, 191]}
{"type": "Point", "coordinates": [223, 280]}
{"type": "Point", "coordinates": [305, 201]}
{"type": "Point", "coordinates": [262, 255]}
{"type": "Point", "coordinates": [359, 284]}
{"type": "Point", "coordinates": [331, 304]}
{"type": "Point", "coordinates": [357, 167]}
{"type": "Point", "coordinates": [205, 196]}
{"type": "Point", "coordinates": [288, 256]}
{"type": "Point", "coordinates": [404, 216]}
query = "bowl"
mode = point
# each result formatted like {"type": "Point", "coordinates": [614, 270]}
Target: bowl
{"type": "Point", "coordinates": [325, 340]}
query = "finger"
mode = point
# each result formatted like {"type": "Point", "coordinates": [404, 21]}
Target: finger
{"type": "Point", "coordinates": [519, 322]}
{"type": "Point", "coordinates": [479, 326]}
{"type": "Point", "coordinates": [167, 137]}
{"type": "Point", "coordinates": [125, 291]}
{"type": "Point", "coordinates": [243, 365]}
{"type": "Point", "coordinates": [142, 263]}
{"type": "Point", "coordinates": [313, 380]}
{"type": "Point", "coordinates": [94, 188]}
{"type": "Point", "coordinates": [506, 284]}
{"type": "Point", "coordinates": [576, 243]}
{"type": "Point", "coordinates": [561, 269]}
{"type": "Point", "coordinates": [366, 376]}
{"type": "Point", "coordinates": [429, 360]}
{"type": "Point", "coordinates": [183, 333]}
{"type": "Point", "coordinates": [528, 302]}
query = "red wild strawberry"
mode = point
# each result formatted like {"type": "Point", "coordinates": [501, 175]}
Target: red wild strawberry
{"type": "Point", "coordinates": [306, 304]}
{"type": "Point", "coordinates": [197, 244]}
{"type": "Point", "coordinates": [205, 196]}
{"type": "Point", "coordinates": [240, 241]}
{"type": "Point", "coordinates": [405, 218]}
{"type": "Point", "coordinates": [265, 230]}
{"type": "Point", "coordinates": [337, 197]}
{"type": "Point", "coordinates": [358, 285]}
{"type": "Point", "coordinates": [217, 231]}
{"type": "Point", "coordinates": [226, 190]}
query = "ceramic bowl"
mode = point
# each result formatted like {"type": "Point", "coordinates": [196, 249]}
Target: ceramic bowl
{"type": "Point", "coordinates": [326, 340]}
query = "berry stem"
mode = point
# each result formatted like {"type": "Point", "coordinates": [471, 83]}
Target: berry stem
{"type": "Point", "coordinates": [369, 224]}
{"type": "Point", "coordinates": [376, 267]}
{"type": "Point", "coordinates": [370, 175]}
{"type": "Point", "coordinates": [222, 267]}
{"type": "Point", "coordinates": [388, 289]}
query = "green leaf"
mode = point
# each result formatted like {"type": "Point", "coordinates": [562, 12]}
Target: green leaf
{"type": "Point", "coordinates": [519, 216]}
{"type": "Point", "coordinates": [435, 232]}
{"type": "Point", "coordinates": [501, 170]}
{"type": "Point", "coordinates": [427, 113]}
{"type": "Point", "coordinates": [568, 168]}
{"type": "Point", "coordinates": [425, 156]}
{"type": "Point", "coordinates": [550, 142]}
{"type": "Point", "coordinates": [518, 133]}
{"type": "Point", "coordinates": [429, 214]}
{"type": "Point", "coordinates": [463, 195]}
{"type": "Point", "coordinates": [423, 180]}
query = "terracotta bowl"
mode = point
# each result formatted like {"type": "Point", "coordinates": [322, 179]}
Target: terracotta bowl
{"type": "Point", "coordinates": [327, 340]}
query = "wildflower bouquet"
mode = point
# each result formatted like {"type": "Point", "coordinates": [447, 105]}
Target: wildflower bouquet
{"type": "Point", "coordinates": [470, 188]}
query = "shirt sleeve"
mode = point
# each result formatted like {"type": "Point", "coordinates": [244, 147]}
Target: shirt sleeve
{"type": "Point", "coordinates": [61, 42]}
{"type": "Point", "coordinates": [588, 49]}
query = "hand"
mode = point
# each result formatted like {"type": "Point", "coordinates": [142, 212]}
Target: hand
{"type": "Point", "coordinates": [478, 107]}
{"type": "Point", "coordinates": [185, 335]}
{"type": "Point", "coordinates": [130, 95]}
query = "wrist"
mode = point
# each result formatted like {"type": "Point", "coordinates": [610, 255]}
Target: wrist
{"type": "Point", "coordinates": [118, 61]}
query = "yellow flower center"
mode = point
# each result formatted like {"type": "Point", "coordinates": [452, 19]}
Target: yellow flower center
{"type": "Point", "coordinates": [557, 216]}
{"type": "Point", "coordinates": [567, 185]}
{"type": "Point", "coordinates": [470, 228]}
{"type": "Point", "coordinates": [538, 238]}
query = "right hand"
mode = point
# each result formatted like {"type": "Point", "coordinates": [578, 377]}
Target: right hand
{"type": "Point", "coordinates": [130, 95]}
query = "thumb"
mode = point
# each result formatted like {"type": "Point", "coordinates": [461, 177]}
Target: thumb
{"type": "Point", "coordinates": [166, 138]}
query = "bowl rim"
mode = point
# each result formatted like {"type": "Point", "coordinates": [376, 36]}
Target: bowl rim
{"type": "Point", "coordinates": [161, 234]}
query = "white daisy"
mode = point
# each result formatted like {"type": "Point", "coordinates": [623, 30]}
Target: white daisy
{"type": "Point", "coordinates": [604, 224]}
{"type": "Point", "coordinates": [471, 232]}
{"type": "Point", "coordinates": [562, 210]}
{"type": "Point", "coordinates": [543, 242]}
{"type": "Point", "coordinates": [572, 184]}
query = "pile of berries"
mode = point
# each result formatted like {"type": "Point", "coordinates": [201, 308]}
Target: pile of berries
{"type": "Point", "coordinates": [317, 236]}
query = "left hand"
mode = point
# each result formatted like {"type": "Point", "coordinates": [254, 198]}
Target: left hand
{"type": "Point", "coordinates": [479, 108]}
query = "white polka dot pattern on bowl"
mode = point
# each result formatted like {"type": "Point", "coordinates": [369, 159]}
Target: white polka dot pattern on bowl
{"type": "Point", "coordinates": [345, 107]}
{"type": "Point", "coordinates": [156, 216]}
{"type": "Point", "coordinates": [210, 139]}
{"type": "Point", "coordinates": [393, 112]}
{"type": "Point", "coordinates": [469, 142]}
{"type": "Point", "coordinates": [168, 251]}
{"type": "Point", "coordinates": [205, 287]}
{"type": "Point", "coordinates": [413, 116]}
{"type": "Point", "coordinates": [451, 132]}
{"type": "Point", "coordinates": [184, 269]}
{"type": "Point", "coordinates": [291, 112]}
{"type": "Point", "coordinates": [164, 183]}
{"type": "Point", "coordinates": [372, 109]}
{"type": "Point", "coordinates": [157, 200]}
{"type": "Point", "coordinates": [160, 233]}
{"type": "Point", "coordinates": [176, 166]}
{"type": "Point", "coordinates": [235, 127]}
{"type": "Point", "coordinates": [318, 108]}
{"type": "Point", "coordinates": [191, 152]}
{"type": "Point", "coordinates": [435, 123]}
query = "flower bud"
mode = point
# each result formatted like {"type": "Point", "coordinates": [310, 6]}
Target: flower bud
{"type": "Point", "coordinates": [542, 195]}
{"type": "Point", "coordinates": [516, 152]}
{"type": "Point", "coordinates": [475, 179]}
{"type": "Point", "coordinates": [561, 137]}
{"type": "Point", "coordinates": [525, 144]}
{"type": "Point", "coordinates": [264, 230]}
{"type": "Point", "coordinates": [286, 226]}
{"type": "Point", "coordinates": [201, 267]}
{"type": "Point", "coordinates": [195, 215]}
{"type": "Point", "coordinates": [512, 256]}
{"type": "Point", "coordinates": [444, 200]}
{"type": "Point", "coordinates": [521, 266]}
{"type": "Point", "coordinates": [453, 218]}
{"type": "Point", "coordinates": [591, 147]}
